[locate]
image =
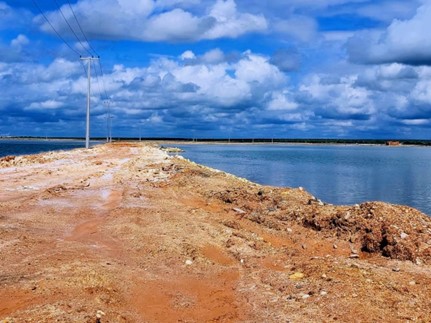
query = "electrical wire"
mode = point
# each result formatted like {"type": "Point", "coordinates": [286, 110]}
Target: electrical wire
{"type": "Point", "coordinates": [94, 51]}
{"type": "Point", "coordinates": [97, 79]}
{"type": "Point", "coordinates": [80, 28]}
{"type": "Point", "coordinates": [109, 117]}
{"type": "Point", "coordinates": [107, 101]}
{"type": "Point", "coordinates": [102, 77]}
{"type": "Point", "coordinates": [83, 66]}
{"type": "Point", "coordinates": [71, 29]}
{"type": "Point", "coordinates": [56, 32]}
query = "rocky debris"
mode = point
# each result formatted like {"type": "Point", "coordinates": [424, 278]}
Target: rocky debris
{"type": "Point", "coordinates": [398, 232]}
{"type": "Point", "coordinates": [56, 190]}
{"type": "Point", "coordinates": [15, 161]}
{"type": "Point", "coordinates": [7, 159]}
{"type": "Point", "coordinates": [172, 149]}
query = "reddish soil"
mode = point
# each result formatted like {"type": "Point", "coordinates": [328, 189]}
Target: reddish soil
{"type": "Point", "coordinates": [126, 233]}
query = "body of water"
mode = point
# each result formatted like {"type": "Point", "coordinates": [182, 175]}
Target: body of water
{"type": "Point", "coordinates": [335, 173]}
{"type": "Point", "coordinates": [25, 147]}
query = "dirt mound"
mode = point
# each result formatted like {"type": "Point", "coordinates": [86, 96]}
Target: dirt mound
{"type": "Point", "coordinates": [397, 232]}
{"type": "Point", "coordinates": [13, 161]}
{"type": "Point", "coordinates": [394, 231]}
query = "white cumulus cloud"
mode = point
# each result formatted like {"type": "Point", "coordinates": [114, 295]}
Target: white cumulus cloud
{"type": "Point", "coordinates": [404, 41]}
{"type": "Point", "coordinates": [144, 20]}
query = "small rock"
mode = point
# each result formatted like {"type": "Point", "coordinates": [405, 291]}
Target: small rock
{"type": "Point", "coordinates": [297, 276]}
{"type": "Point", "coordinates": [289, 230]}
{"type": "Point", "coordinates": [305, 296]}
{"type": "Point", "coordinates": [334, 246]}
{"type": "Point", "coordinates": [403, 235]}
{"type": "Point", "coordinates": [301, 188]}
{"type": "Point", "coordinates": [354, 255]}
{"type": "Point", "coordinates": [396, 269]}
{"type": "Point", "coordinates": [418, 261]}
{"type": "Point", "coordinates": [242, 261]}
{"type": "Point", "coordinates": [189, 262]}
{"type": "Point", "coordinates": [99, 314]}
{"type": "Point", "coordinates": [412, 283]}
{"type": "Point", "coordinates": [354, 295]}
{"type": "Point", "coordinates": [238, 210]}
{"type": "Point", "coordinates": [303, 246]}
{"type": "Point", "coordinates": [324, 276]}
{"type": "Point", "coordinates": [323, 293]}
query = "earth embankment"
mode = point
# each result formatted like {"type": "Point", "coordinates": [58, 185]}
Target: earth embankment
{"type": "Point", "coordinates": [126, 233]}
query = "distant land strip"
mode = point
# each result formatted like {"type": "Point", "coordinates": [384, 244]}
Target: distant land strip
{"type": "Point", "coordinates": [392, 142]}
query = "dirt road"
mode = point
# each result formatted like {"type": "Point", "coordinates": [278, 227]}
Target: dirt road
{"type": "Point", "coordinates": [126, 233]}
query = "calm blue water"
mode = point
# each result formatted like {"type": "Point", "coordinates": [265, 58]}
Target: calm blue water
{"type": "Point", "coordinates": [24, 147]}
{"type": "Point", "coordinates": [334, 173]}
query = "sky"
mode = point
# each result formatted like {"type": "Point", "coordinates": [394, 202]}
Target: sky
{"type": "Point", "coordinates": [217, 69]}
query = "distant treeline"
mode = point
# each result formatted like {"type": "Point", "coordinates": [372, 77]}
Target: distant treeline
{"type": "Point", "coordinates": [418, 142]}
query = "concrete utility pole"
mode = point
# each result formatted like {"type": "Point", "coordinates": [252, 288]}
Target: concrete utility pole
{"type": "Point", "coordinates": [140, 131]}
{"type": "Point", "coordinates": [87, 128]}
{"type": "Point", "coordinates": [108, 121]}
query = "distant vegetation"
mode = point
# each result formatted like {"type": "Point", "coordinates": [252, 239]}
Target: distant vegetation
{"type": "Point", "coordinates": [418, 142]}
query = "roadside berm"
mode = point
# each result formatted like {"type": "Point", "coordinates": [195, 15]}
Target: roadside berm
{"type": "Point", "coordinates": [127, 233]}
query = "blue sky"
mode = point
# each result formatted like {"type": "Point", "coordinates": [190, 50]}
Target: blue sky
{"type": "Point", "coordinates": [224, 68]}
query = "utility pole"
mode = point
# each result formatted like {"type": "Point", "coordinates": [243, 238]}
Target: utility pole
{"type": "Point", "coordinates": [110, 128]}
{"type": "Point", "coordinates": [87, 128]}
{"type": "Point", "coordinates": [108, 121]}
{"type": "Point", "coordinates": [140, 132]}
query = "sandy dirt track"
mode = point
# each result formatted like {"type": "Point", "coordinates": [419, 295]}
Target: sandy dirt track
{"type": "Point", "coordinates": [125, 233]}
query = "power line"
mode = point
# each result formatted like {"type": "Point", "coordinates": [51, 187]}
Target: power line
{"type": "Point", "coordinates": [80, 28]}
{"type": "Point", "coordinates": [97, 79]}
{"type": "Point", "coordinates": [82, 45]}
{"type": "Point", "coordinates": [83, 66]}
{"type": "Point", "coordinates": [102, 77]}
{"type": "Point", "coordinates": [95, 52]}
{"type": "Point", "coordinates": [71, 29]}
{"type": "Point", "coordinates": [107, 99]}
{"type": "Point", "coordinates": [57, 33]}
{"type": "Point", "coordinates": [90, 61]}
{"type": "Point", "coordinates": [107, 103]}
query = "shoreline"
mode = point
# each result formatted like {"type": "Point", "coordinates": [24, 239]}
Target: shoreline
{"type": "Point", "coordinates": [342, 142]}
{"type": "Point", "coordinates": [126, 230]}
{"type": "Point", "coordinates": [279, 144]}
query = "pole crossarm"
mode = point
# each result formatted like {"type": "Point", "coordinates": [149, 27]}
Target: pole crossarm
{"type": "Point", "coordinates": [89, 59]}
